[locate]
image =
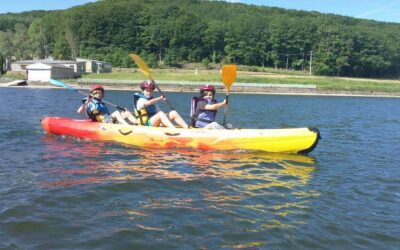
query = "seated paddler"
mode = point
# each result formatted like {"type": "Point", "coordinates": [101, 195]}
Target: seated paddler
{"type": "Point", "coordinates": [204, 109]}
{"type": "Point", "coordinates": [97, 111]}
{"type": "Point", "coordinates": [147, 111]}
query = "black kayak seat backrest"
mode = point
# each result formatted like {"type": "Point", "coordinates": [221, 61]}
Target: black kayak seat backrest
{"type": "Point", "coordinates": [193, 106]}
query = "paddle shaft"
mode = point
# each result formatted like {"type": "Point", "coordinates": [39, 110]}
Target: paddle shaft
{"type": "Point", "coordinates": [63, 84]}
{"type": "Point", "coordinates": [146, 71]}
{"type": "Point", "coordinates": [162, 93]}
{"type": "Point", "coordinates": [226, 108]}
{"type": "Point", "coordinates": [101, 100]}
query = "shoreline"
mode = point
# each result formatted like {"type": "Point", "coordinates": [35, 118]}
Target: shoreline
{"type": "Point", "coordinates": [259, 90]}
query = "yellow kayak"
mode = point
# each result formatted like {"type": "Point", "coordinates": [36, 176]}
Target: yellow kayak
{"type": "Point", "coordinates": [287, 140]}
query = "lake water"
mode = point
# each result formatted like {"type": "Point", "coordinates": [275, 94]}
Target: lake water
{"type": "Point", "coordinates": [65, 193]}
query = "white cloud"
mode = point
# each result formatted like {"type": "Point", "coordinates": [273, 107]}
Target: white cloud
{"type": "Point", "coordinates": [377, 10]}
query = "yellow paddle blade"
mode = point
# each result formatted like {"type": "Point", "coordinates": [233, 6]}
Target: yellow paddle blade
{"type": "Point", "coordinates": [142, 65]}
{"type": "Point", "coordinates": [228, 75]}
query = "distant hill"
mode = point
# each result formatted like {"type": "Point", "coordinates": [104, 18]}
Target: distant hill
{"type": "Point", "coordinates": [9, 20]}
{"type": "Point", "coordinates": [185, 31]}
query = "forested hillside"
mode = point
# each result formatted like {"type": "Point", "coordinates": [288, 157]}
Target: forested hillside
{"type": "Point", "coordinates": [182, 31]}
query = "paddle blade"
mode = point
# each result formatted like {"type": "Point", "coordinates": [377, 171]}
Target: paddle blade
{"type": "Point", "coordinates": [142, 65]}
{"type": "Point", "coordinates": [60, 84]}
{"type": "Point", "coordinates": [228, 75]}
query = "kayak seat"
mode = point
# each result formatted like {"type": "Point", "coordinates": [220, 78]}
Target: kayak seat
{"type": "Point", "coordinates": [193, 107]}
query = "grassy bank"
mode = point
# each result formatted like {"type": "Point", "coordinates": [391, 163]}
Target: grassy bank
{"type": "Point", "coordinates": [272, 76]}
{"type": "Point", "coordinates": [322, 83]}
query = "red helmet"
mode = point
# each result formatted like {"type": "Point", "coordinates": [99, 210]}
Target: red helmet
{"type": "Point", "coordinates": [147, 85]}
{"type": "Point", "coordinates": [97, 86]}
{"type": "Point", "coordinates": [207, 87]}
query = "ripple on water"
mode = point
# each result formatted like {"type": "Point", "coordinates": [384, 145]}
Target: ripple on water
{"type": "Point", "coordinates": [66, 193]}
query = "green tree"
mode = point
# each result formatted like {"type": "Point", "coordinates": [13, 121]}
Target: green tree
{"type": "Point", "coordinates": [38, 39]}
{"type": "Point", "coordinates": [6, 45]}
{"type": "Point", "coordinates": [213, 40]}
{"type": "Point", "coordinates": [71, 27]}
{"type": "Point", "coordinates": [171, 58]}
{"type": "Point", "coordinates": [61, 49]}
{"type": "Point", "coordinates": [20, 42]}
{"type": "Point", "coordinates": [181, 31]}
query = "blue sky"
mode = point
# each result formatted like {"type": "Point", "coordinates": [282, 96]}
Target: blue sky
{"type": "Point", "coordinates": [27, 5]}
{"type": "Point", "coordinates": [380, 10]}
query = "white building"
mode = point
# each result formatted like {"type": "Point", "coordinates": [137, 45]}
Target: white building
{"type": "Point", "coordinates": [41, 72]}
{"type": "Point", "coordinates": [78, 67]}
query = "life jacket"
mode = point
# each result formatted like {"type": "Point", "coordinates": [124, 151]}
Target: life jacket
{"type": "Point", "coordinates": [145, 113]}
{"type": "Point", "coordinates": [97, 110]}
{"type": "Point", "coordinates": [201, 117]}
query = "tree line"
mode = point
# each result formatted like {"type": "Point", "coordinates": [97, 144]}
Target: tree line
{"type": "Point", "coordinates": [183, 31]}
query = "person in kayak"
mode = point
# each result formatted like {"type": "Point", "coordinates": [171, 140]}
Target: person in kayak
{"type": "Point", "coordinates": [97, 111]}
{"type": "Point", "coordinates": [204, 109]}
{"type": "Point", "coordinates": [147, 111]}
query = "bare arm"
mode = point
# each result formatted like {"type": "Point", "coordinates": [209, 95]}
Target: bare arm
{"type": "Point", "coordinates": [83, 107]}
{"type": "Point", "coordinates": [215, 106]}
{"type": "Point", "coordinates": [153, 101]}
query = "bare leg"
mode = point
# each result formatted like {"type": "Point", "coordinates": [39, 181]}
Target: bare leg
{"type": "Point", "coordinates": [128, 115]}
{"type": "Point", "coordinates": [174, 116]}
{"type": "Point", "coordinates": [117, 115]}
{"type": "Point", "coordinates": [160, 117]}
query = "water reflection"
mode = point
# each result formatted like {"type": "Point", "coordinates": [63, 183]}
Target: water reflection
{"type": "Point", "coordinates": [258, 191]}
{"type": "Point", "coordinates": [91, 158]}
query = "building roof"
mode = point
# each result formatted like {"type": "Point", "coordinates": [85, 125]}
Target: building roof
{"type": "Point", "coordinates": [46, 66]}
{"type": "Point", "coordinates": [47, 61]}
{"type": "Point", "coordinates": [90, 60]}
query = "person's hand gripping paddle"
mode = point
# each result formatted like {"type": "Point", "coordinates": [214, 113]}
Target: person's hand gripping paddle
{"type": "Point", "coordinates": [143, 67]}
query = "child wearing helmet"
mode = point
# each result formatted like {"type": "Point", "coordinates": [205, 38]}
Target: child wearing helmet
{"type": "Point", "coordinates": [97, 111]}
{"type": "Point", "coordinates": [147, 111]}
{"type": "Point", "coordinates": [204, 109]}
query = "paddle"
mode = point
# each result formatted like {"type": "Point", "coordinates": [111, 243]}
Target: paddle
{"type": "Point", "coordinates": [63, 84]}
{"type": "Point", "coordinates": [228, 77]}
{"type": "Point", "coordinates": [143, 67]}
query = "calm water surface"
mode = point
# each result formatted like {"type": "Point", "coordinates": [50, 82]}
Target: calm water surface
{"type": "Point", "coordinates": [65, 193]}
